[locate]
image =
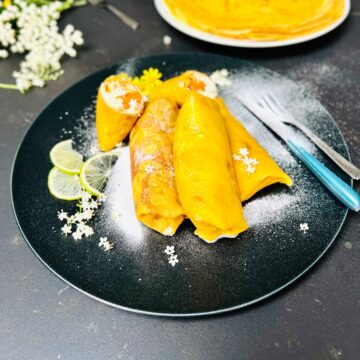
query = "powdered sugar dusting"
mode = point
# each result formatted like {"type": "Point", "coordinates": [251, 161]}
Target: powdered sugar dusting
{"type": "Point", "coordinates": [119, 211]}
{"type": "Point", "coordinates": [269, 209]}
{"type": "Point", "coordinates": [85, 130]}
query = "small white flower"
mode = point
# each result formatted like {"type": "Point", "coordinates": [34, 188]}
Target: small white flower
{"type": "Point", "coordinates": [88, 214]}
{"type": "Point", "coordinates": [304, 227]}
{"type": "Point", "coordinates": [106, 244]}
{"type": "Point", "coordinates": [250, 169]}
{"type": "Point", "coordinates": [85, 196]}
{"type": "Point", "coordinates": [87, 230]}
{"type": "Point", "coordinates": [93, 204]}
{"type": "Point", "coordinates": [237, 157]}
{"type": "Point", "coordinates": [85, 205]}
{"type": "Point", "coordinates": [66, 229]}
{"type": "Point", "coordinates": [71, 219]}
{"type": "Point", "coordinates": [149, 169]}
{"type": "Point", "coordinates": [243, 151]}
{"type": "Point", "coordinates": [78, 216]}
{"type": "Point", "coordinates": [3, 54]}
{"type": "Point", "coordinates": [77, 235]}
{"type": "Point", "coordinates": [169, 250]}
{"type": "Point", "coordinates": [102, 241]}
{"type": "Point", "coordinates": [173, 260]}
{"type": "Point", "coordinates": [62, 215]}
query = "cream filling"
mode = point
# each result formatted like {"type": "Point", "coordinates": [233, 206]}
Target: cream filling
{"type": "Point", "coordinates": [113, 97]}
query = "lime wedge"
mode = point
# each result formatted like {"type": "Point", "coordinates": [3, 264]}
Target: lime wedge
{"type": "Point", "coordinates": [64, 186]}
{"type": "Point", "coordinates": [65, 158]}
{"type": "Point", "coordinates": [97, 170]}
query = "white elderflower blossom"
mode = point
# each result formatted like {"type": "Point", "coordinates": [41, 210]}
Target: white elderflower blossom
{"type": "Point", "coordinates": [62, 215]}
{"type": "Point", "coordinates": [173, 260]}
{"type": "Point", "coordinates": [32, 30]}
{"type": "Point", "coordinates": [86, 196]}
{"type": "Point", "coordinates": [88, 214]}
{"type": "Point", "coordinates": [77, 235]}
{"type": "Point", "coordinates": [304, 227]}
{"type": "Point", "coordinates": [66, 229]}
{"type": "Point", "coordinates": [3, 54]}
{"type": "Point", "coordinates": [106, 244]}
{"type": "Point", "coordinates": [169, 250]}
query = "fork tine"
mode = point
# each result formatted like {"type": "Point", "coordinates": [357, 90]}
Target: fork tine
{"type": "Point", "coordinates": [271, 105]}
{"type": "Point", "coordinates": [276, 102]}
{"type": "Point", "coordinates": [265, 104]}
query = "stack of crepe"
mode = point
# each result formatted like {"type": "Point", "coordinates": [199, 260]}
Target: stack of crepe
{"type": "Point", "coordinates": [259, 20]}
{"type": "Point", "coordinates": [190, 158]}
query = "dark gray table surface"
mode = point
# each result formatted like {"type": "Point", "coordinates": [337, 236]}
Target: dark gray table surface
{"type": "Point", "coordinates": [317, 318]}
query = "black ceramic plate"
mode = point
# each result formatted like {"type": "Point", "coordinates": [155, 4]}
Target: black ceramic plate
{"type": "Point", "coordinates": [227, 275]}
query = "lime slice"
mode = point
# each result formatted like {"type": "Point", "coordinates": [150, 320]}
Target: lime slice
{"type": "Point", "coordinates": [65, 158]}
{"type": "Point", "coordinates": [64, 186]}
{"type": "Point", "coordinates": [97, 170]}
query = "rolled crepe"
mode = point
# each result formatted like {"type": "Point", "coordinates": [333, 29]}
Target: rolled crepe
{"type": "Point", "coordinates": [204, 172]}
{"type": "Point", "coordinates": [119, 104]}
{"type": "Point", "coordinates": [179, 87]}
{"type": "Point", "coordinates": [254, 167]}
{"type": "Point", "coordinates": [151, 141]}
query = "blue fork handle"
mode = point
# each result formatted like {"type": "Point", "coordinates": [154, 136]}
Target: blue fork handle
{"type": "Point", "coordinates": [339, 188]}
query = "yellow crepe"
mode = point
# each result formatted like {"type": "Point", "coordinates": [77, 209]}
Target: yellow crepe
{"type": "Point", "coordinates": [151, 141]}
{"type": "Point", "coordinates": [204, 172]}
{"type": "Point", "coordinates": [254, 167]}
{"type": "Point", "coordinates": [259, 20]}
{"type": "Point", "coordinates": [179, 87]}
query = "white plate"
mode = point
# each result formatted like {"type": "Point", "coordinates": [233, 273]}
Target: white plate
{"type": "Point", "coordinates": [165, 13]}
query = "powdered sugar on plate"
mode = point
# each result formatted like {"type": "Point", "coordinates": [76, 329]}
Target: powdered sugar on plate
{"type": "Point", "coordinates": [118, 213]}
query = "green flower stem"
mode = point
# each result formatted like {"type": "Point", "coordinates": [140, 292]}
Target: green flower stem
{"type": "Point", "coordinates": [8, 86]}
{"type": "Point", "coordinates": [80, 2]}
{"type": "Point", "coordinates": [67, 4]}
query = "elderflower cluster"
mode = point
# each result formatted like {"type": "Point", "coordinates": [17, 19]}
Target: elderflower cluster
{"type": "Point", "coordinates": [77, 224]}
{"type": "Point", "coordinates": [33, 30]}
{"type": "Point", "coordinates": [248, 162]}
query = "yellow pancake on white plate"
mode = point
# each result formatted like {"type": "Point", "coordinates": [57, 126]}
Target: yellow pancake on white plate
{"type": "Point", "coordinates": [254, 23]}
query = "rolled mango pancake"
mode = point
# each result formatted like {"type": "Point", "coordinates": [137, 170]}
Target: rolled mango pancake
{"type": "Point", "coordinates": [179, 87]}
{"type": "Point", "coordinates": [204, 171]}
{"type": "Point", "coordinates": [151, 152]}
{"type": "Point", "coordinates": [119, 104]}
{"type": "Point", "coordinates": [254, 168]}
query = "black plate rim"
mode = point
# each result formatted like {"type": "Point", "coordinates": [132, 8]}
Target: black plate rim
{"type": "Point", "coordinates": [154, 313]}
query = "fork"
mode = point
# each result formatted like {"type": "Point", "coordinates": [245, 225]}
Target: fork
{"type": "Point", "coordinates": [260, 106]}
{"type": "Point", "coordinates": [286, 117]}
{"type": "Point", "coordinates": [122, 16]}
